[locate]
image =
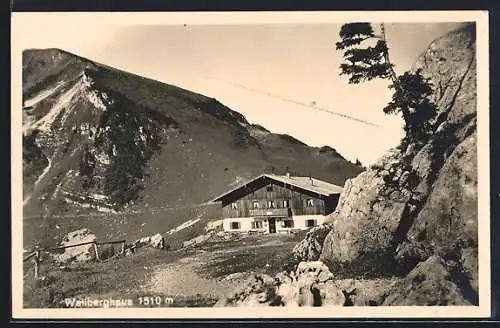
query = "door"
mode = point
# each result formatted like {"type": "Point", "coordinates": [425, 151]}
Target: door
{"type": "Point", "coordinates": [272, 225]}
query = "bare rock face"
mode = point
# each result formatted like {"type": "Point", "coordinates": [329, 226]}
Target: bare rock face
{"type": "Point", "coordinates": [427, 284]}
{"type": "Point", "coordinates": [420, 199]}
{"type": "Point", "coordinates": [83, 253]}
{"type": "Point", "coordinates": [448, 219]}
{"type": "Point", "coordinates": [469, 265]}
{"type": "Point", "coordinates": [369, 211]}
{"type": "Point", "coordinates": [451, 64]}
{"type": "Point", "coordinates": [309, 249]}
{"type": "Point", "coordinates": [447, 223]}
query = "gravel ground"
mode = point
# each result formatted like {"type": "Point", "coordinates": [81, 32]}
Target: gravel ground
{"type": "Point", "coordinates": [199, 273]}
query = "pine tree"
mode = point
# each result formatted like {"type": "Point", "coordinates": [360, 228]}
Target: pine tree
{"type": "Point", "coordinates": [368, 62]}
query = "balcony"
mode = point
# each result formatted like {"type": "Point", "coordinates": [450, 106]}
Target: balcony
{"type": "Point", "coordinates": [270, 212]}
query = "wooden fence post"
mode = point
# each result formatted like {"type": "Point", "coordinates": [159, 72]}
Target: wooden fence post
{"type": "Point", "coordinates": [36, 261]}
{"type": "Point", "coordinates": [96, 251]}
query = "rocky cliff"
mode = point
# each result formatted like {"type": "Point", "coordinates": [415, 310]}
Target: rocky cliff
{"type": "Point", "coordinates": [420, 199]}
{"type": "Point", "coordinates": [413, 214]}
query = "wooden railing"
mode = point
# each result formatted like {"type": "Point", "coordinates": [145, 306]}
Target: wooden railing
{"type": "Point", "coordinates": [265, 212]}
{"type": "Point", "coordinates": [36, 254]}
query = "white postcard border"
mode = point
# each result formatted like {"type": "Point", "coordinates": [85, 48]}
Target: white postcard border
{"type": "Point", "coordinates": [21, 21]}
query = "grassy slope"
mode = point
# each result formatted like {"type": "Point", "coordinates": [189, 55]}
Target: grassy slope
{"type": "Point", "coordinates": [117, 278]}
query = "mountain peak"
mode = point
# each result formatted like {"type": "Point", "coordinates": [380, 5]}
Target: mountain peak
{"type": "Point", "coordinates": [49, 54]}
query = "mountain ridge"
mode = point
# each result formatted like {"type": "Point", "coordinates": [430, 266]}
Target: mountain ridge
{"type": "Point", "coordinates": [96, 138]}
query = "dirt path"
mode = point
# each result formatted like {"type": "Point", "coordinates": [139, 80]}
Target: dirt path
{"type": "Point", "coordinates": [182, 278]}
{"type": "Point", "coordinates": [192, 275]}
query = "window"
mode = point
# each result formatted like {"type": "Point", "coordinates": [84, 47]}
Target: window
{"type": "Point", "coordinates": [310, 203]}
{"type": "Point", "coordinates": [234, 206]}
{"type": "Point", "coordinates": [286, 203]}
{"type": "Point", "coordinates": [270, 204]}
{"type": "Point", "coordinates": [311, 223]}
{"type": "Point", "coordinates": [269, 188]}
{"type": "Point", "coordinates": [257, 225]}
{"type": "Point", "coordinates": [255, 204]}
{"type": "Point", "coordinates": [288, 224]}
{"type": "Point", "coordinates": [235, 225]}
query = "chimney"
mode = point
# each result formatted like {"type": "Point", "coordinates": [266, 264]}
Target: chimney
{"type": "Point", "coordinates": [287, 172]}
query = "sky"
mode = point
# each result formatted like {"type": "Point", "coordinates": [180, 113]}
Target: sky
{"type": "Point", "coordinates": [283, 76]}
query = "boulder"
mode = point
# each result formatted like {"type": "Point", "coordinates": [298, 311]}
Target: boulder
{"type": "Point", "coordinates": [427, 284]}
{"type": "Point", "coordinates": [214, 225]}
{"type": "Point", "coordinates": [156, 241]}
{"type": "Point", "coordinates": [316, 269]}
{"type": "Point", "coordinates": [310, 285]}
{"type": "Point", "coordinates": [289, 294]}
{"type": "Point", "coordinates": [81, 253]}
{"type": "Point", "coordinates": [214, 235]}
{"type": "Point", "coordinates": [258, 292]}
{"type": "Point", "coordinates": [309, 249]}
{"type": "Point", "coordinates": [141, 242]}
{"type": "Point", "coordinates": [366, 217]}
{"type": "Point", "coordinates": [235, 276]}
{"type": "Point", "coordinates": [365, 292]}
{"type": "Point", "coordinates": [331, 294]}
